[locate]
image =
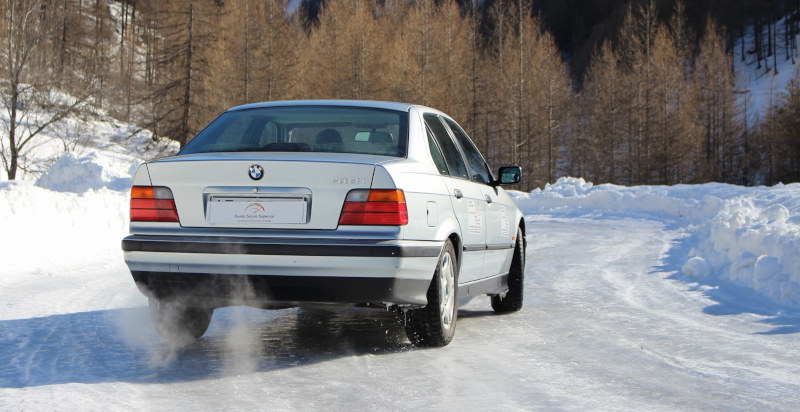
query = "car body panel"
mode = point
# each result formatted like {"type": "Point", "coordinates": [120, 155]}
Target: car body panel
{"type": "Point", "coordinates": [470, 211]}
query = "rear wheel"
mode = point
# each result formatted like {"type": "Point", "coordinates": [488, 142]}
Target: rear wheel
{"type": "Point", "coordinates": [435, 324]}
{"type": "Point", "coordinates": [512, 300]}
{"type": "Point", "coordinates": [179, 323]}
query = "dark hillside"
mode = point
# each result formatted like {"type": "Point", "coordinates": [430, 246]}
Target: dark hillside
{"type": "Point", "coordinates": [580, 26]}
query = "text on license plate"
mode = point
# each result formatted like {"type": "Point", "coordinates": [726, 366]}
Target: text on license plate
{"type": "Point", "coordinates": [256, 210]}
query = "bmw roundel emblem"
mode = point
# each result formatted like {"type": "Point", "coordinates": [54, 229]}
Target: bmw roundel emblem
{"type": "Point", "coordinates": [256, 172]}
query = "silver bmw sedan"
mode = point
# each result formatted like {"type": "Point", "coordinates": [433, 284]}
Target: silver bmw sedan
{"type": "Point", "coordinates": [296, 203]}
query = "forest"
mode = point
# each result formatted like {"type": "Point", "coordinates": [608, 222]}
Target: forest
{"type": "Point", "coordinates": [618, 91]}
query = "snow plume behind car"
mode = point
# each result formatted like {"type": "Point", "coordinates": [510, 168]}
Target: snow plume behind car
{"type": "Point", "coordinates": [236, 337]}
{"type": "Point", "coordinates": [748, 236]}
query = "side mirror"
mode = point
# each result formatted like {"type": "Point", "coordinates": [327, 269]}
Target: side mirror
{"type": "Point", "coordinates": [509, 175]}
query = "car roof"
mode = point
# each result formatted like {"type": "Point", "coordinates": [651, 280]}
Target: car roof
{"type": "Point", "coordinates": [348, 103]}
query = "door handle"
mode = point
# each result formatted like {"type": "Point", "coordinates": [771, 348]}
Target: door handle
{"type": "Point", "coordinates": [458, 193]}
{"type": "Point", "coordinates": [488, 199]}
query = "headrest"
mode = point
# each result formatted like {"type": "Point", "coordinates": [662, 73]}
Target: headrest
{"type": "Point", "coordinates": [380, 137]}
{"type": "Point", "coordinates": [328, 136]}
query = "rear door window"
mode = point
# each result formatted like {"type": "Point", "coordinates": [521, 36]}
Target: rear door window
{"type": "Point", "coordinates": [436, 153]}
{"type": "Point", "coordinates": [477, 166]}
{"type": "Point", "coordinates": [452, 157]}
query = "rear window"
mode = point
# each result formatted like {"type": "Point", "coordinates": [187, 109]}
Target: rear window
{"type": "Point", "coordinates": [306, 129]}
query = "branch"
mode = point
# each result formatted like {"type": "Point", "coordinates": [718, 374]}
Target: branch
{"type": "Point", "coordinates": [55, 118]}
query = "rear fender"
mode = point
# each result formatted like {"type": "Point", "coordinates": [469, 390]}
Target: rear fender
{"type": "Point", "coordinates": [142, 176]}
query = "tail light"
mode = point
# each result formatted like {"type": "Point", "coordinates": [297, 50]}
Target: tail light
{"type": "Point", "coordinates": [374, 207]}
{"type": "Point", "coordinates": [153, 204]}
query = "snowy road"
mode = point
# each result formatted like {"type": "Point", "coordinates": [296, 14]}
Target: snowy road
{"type": "Point", "coordinates": [606, 325]}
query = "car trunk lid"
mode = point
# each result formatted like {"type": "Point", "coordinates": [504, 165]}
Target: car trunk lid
{"type": "Point", "coordinates": [307, 192]}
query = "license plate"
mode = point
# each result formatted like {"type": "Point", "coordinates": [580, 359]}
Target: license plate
{"type": "Point", "coordinates": [256, 210]}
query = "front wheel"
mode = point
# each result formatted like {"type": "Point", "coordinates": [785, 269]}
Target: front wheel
{"type": "Point", "coordinates": [512, 300]}
{"type": "Point", "coordinates": [178, 323]}
{"type": "Point", "coordinates": [435, 324]}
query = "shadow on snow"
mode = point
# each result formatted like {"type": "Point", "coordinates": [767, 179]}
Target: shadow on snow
{"type": "Point", "coordinates": [120, 345]}
{"type": "Point", "coordinates": [729, 297]}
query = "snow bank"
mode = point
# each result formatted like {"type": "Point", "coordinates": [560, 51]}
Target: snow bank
{"type": "Point", "coordinates": [76, 212]}
{"type": "Point", "coordinates": [76, 174]}
{"type": "Point", "coordinates": [750, 236]}
{"type": "Point", "coordinates": [43, 230]}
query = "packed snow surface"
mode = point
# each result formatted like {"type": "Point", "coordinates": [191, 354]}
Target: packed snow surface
{"type": "Point", "coordinates": [657, 298]}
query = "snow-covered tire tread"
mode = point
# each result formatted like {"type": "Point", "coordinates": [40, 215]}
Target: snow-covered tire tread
{"type": "Point", "coordinates": [512, 300]}
{"type": "Point", "coordinates": [178, 323]}
{"type": "Point", "coordinates": [427, 326]}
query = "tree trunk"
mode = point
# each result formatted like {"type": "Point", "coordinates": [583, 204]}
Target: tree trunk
{"type": "Point", "coordinates": [12, 132]}
{"type": "Point", "coordinates": [246, 50]}
{"type": "Point", "coordinates": [187, 91]}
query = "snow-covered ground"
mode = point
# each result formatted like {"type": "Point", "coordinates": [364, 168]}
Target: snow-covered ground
{"type": "Point", "coordinates": [657, 298]}
{"type": "Point", "coordinates": [610, 322]}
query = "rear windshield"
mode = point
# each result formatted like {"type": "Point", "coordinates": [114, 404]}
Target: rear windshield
{"type": "Point", "coordinates": [305, 129]}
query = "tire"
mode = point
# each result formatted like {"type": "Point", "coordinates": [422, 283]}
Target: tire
{"type": "Point", "coordinates": [435, 324]}
{"type": "Point", "coordinates": [177, 323]}
{"type": "Point", "coordinates": [511, 301]}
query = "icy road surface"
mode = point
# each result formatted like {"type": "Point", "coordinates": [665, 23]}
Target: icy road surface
{"type": "Point", "coordinates": [607, 325]}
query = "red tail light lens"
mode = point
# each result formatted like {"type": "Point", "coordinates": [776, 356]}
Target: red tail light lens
{"type": "Point", "coordinates": [153, 204]}
{"type": "Point", "coordinates": [378, 207]}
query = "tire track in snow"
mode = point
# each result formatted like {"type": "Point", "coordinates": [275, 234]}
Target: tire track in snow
{"type": "Point", "coordinates": [634, 324]}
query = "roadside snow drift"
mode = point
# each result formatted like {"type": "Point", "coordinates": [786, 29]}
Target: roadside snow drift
{"type": "Point", "coordinates": [750, 236]}
{"type": "Point", "coordinates": [78, 174]}
{"type": "Point", "coordinates": [44, 230]}
{"type": "Point", "coordinates": [76, 212]}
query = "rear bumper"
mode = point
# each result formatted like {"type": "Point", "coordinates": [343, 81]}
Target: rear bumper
{"type": "Point", "coordinates": [259, 290]}
{"type": "Point", "coordinates": [220, 271]}
{"type": "Point", "coordinates": [279, 247]}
